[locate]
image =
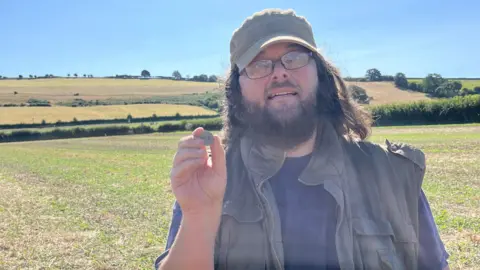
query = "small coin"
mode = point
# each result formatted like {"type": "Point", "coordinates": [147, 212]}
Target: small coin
{"type": "Point", "coordinates": [207, 137]}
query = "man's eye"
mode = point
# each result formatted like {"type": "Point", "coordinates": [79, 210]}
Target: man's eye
{"type": "Point", "coordinates": [261, 65]}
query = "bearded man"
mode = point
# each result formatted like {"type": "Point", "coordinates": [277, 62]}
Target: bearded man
{"type": "Point", "coordinates": [295, 185]}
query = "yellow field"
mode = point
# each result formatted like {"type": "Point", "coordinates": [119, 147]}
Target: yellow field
{"type": "Point", "coordinates": [55, 90]}
{"type": "Point", "coordinates": [16, 115]}
{"type": "Point", "coordinates": [386, 93]}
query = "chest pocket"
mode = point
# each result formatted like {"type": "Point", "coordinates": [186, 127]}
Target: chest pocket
{"type": "Point", "coordinates": [377, 246]}
{"type": "Point", "coordinates": [242, 243]}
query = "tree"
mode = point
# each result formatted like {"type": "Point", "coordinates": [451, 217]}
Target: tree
{"type": "Point", "coordinates": [212, 78]}
{"type": "Point", "coordinates": [30, 76]}
{"type": "Point", "coordinates": [413, 86]}
{"type": "Point", "coordinates": [84, 75]}
{"type": "Point", "coordinates": [432, 82]}
{"type": "Point", "coordinates": [387, 78]}
{"type": "Point", "coordinates": [457, 85]}
{"type": "Point", "coordinates": [373, 75]}
{"type": "Point", "coordinates": [401, 80]}
{"type": "Point", "coordinates": [359, 94]}
{"type": "Point", "coordinates": [68, 75]}
{"type": "Point", "coordinates": [466, 92]}
{"type": "Point", "coordinates": [20, 77]}
{"type": "Point", "coordinates": [447, 89]}
{"type": "Point", "coordinates": [75, 74]}
{"type": "Point", "coordinates": [145, 73]}
{"type": "Point", "coordinates": [35, 76]}
{"type": "Point", "coordinates": [203, 78]}
{"type": "Point", "coordinates": [176, 74]}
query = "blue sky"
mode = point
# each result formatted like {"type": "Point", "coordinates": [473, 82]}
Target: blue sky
{"type": "Point", "coordinates": [123, 37]}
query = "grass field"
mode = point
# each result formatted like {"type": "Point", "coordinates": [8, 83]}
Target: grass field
{"type": "Point", "coordinates": [387, 93]}
{"type": "Point", "coordinates": [105, 203]}
{"type": "Point", "coordinates": [55, 90]}
{"type": "Point", "coordinates": [15, 115]}
{"type": "Point", "coordinates": [470, 84]}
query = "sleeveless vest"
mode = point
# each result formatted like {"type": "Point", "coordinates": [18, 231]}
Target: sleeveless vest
{"type": "Point", "coordinates": [376, 188]}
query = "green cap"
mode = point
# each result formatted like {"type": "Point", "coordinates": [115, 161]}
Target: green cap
{"type": "Point", "coordinates": [267, 27]}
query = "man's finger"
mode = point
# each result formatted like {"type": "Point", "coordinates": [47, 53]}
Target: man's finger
{"type": "Point", "coordinates": [184, 169]}
{"type": "Point", "coordinates": [218, 156]}
{"type": "Point", "coordinates": [188, 153]}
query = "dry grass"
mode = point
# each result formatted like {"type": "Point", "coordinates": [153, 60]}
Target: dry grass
{"type": "Point", "coordinates": [386, 93]}
{"type": "Point", "coordinates": [55, 90]}
{"type": "Point", "coordinates": [105, 203]}
{"type": "Point", "coordinates": [15, 115]}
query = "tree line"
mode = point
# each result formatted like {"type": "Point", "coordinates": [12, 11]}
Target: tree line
{"type": "Point", "coordinates": [144, 74]}
{"type": "Point", "coordinates": [433, 84]}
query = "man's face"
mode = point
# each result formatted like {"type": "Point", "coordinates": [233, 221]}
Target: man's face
{"type": "Point", "coordinates": [300, 83]}
{"type": "Point", "coordinates": [280, 107]}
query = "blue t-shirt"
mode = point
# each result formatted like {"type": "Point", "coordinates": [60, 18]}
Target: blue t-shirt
{"type": "Point", "coordinates": [309, 232]}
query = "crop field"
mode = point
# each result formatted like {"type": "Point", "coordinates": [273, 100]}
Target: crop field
{"type": "Point", "coordinates": [387, 93]}
{"type": "Point", "coordinates": [63, 90]}
{"type": "Point", "coordinates": [105, 203]}
{"type": "Point", "coordinates": [16, 115]}
{"type": "Point", "coordinates": [55, 90]}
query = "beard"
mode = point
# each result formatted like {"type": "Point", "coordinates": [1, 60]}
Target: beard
{"type": "Point", "coordinates": [284, 127]}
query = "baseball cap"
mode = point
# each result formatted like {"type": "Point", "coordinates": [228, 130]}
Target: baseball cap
{"type": "Point", "coordinates": [267, 27]}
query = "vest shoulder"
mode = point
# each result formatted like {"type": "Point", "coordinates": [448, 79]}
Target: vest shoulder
{"type": "Point", "coordinates": [398, 149]}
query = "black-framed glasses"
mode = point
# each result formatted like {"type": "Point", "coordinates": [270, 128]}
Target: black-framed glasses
{"type": "Point", "coordinates": [291, 60]}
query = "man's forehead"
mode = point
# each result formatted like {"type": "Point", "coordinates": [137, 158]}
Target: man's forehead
{"type": "Point", "coordinates": [288, 45]}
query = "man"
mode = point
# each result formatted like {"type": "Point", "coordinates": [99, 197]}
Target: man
{"type": "Point", "coordinates": [296, 185]}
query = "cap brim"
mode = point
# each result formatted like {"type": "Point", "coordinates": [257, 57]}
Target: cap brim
{"type": "Point", "coordinates": [256, 48]}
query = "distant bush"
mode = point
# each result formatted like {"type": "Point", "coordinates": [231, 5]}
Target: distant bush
{"type": "Point", "coordinates": [108, 121]}
{"type": "Point", "coordinates": [79, 132]}
{"type": "Point", "coordinates": [454, 110]}
{"type": "Point", "coordinates": [387, 78]}
{"type": "Point", "coordinates": [432, 82]}
{"type": "Point", "coordinates": [476, 89]}
{"type": "Point", "coordinates": [400, 80]}
{"type": "Point", "coordinates": [10, 105]}
{"type": "Point", "coordinates": [448, 89]}
{"type": "Point", "coordinates": [414, 86]}
{"type": "Point", "coordinates": [38, 102]}
{"type": "Point", "coordinates": [359, 94]}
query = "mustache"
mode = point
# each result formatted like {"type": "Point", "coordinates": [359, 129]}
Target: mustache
{"type": "Point", "coordinates": [280, 85]}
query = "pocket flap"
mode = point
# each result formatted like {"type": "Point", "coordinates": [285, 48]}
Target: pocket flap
{"type": "Point", "coordinates": [242, 213]}
{"type": "Point", "coordinates": [365, 226]}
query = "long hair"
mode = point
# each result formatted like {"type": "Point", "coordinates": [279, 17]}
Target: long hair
{"type": "Point", "coordinates": [333, 103]}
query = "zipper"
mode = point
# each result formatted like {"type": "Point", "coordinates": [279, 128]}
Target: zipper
{"type": "Point", "coordinates": [272, 222]}
{"type": "Point", "coordinates": [272, 225]}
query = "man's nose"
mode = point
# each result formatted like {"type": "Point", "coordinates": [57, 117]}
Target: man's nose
{"type": "Point", "coordinates": [279, 72]}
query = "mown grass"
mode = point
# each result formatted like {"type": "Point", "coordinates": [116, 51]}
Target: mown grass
{"type": "Point", "coordinates": [16, 115]}
{"type": "Point", "coordinates": [105, 203]}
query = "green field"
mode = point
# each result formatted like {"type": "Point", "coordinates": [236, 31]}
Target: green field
{"type": "Point", "coordinates": [470, 84]}
{"type": "Point", "coordinates": [105, 203]}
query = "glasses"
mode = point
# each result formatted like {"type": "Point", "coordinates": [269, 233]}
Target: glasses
{"type": "Point", "coordinates": [290, 61]}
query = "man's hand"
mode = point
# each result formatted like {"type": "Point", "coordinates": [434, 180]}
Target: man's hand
{"type": "Point", "coordinates": [198, 182]}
